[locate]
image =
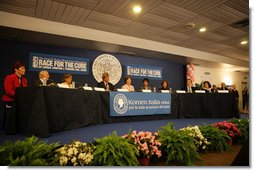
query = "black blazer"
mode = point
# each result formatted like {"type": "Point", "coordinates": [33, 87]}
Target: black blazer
{"type": "Point", "coordinates": [39, 83]}
{"type": "Point", "coordinates": [102, 85]}
{"type": "Point", "coordinates": [192, 89]}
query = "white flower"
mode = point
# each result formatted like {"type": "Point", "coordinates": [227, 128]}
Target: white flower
{"type": "Point", "coordinates": [75, 151]}
{"type": "Point", "coordinates": [73, 160]}
{"type": "Point", "coordinates": [81, 155]}
{"type": "Point", "coordinates": [70, 152]}
{"type": "Point", "coordinates": [63, 160]}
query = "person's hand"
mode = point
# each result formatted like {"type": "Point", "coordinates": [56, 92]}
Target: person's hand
{"type": "Point", "coordinates": [52, 85]}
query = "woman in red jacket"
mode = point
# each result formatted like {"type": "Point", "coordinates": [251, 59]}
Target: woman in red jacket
{"type": "Point", "coordinates": [11, 82]}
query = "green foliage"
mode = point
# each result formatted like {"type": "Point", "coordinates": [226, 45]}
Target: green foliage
{"type": "Point", "coordinates": [243, 126]}
{"type": "Point", "coordinates": [178, 145]}
{"type": "Point", "coordinates": [30, 152]}
{"type": "Point", "coordinates": [219, 139]}
{"type": "Point", "coordinates": [113, 150]}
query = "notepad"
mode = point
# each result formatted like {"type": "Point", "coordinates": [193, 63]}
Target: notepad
{"type": "Point", "coordinates": [99, 89]}
{"type": "Point", "coordinates": [180, 91]}
{"type": "Point", "coordinates": [87, 88]}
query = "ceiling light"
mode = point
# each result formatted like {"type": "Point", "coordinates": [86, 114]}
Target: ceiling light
{"type": "Point", "coordinates": [203, 29]}
{"type": "Point", "coordinates": [137, 9]}
{"type": "Point", "coordinates": [244, 42]}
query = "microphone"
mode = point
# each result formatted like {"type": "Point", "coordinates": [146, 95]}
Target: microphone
{"type": "Point", "coordinates": [53, 84]}
{"type": "Point", "coordinates": [78, 86]}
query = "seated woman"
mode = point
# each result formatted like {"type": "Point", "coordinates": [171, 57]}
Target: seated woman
{"type": "Point", "coordinates": [127, 84]}
{"type": "Point", "coordinates": [67, 82]}
{"type": "Point", "coordinates": [145, 85]}
{"type": "Point", "coordinates": [165, 85]}
{"type": "Point", "coordinates": [207, 87]}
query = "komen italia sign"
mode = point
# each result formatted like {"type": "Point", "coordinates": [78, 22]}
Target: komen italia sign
{"type": "Point", "coordinates": [138, 103]}
{"type": "Point", "coordinates": [58, 64]}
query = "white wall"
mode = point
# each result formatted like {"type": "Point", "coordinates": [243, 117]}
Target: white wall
{"type": "Point", "coordinates": [222, 75]}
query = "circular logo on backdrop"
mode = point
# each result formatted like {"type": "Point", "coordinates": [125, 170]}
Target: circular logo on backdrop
{"type": "Point", "coordinates": [120, 104]}
{"type": "Point", "coordinates": [107, 63]}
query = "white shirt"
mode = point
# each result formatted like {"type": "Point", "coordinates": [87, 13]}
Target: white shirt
{"type": "Point", "coordinates": [64, 85]}
{"type": "Point", "coordinates": [128, 87]}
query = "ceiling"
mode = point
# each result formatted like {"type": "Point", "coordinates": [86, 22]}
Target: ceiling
{"type": "Point", "coordinates": [160, 20]}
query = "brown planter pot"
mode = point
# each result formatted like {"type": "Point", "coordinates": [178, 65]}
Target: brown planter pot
{"type": "Point", "coordinates": [144, 161]}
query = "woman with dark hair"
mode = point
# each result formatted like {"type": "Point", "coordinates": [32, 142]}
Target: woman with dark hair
{"type": "Point", "coordinates": [164, 85]}
{"type": "Point", "coordinates": [67, 82]}
{"type": "Point", "coordinates": [145, 85]}
{"type": "Point", "coordinates": [127, 84]}
{"type": "Point", "coordinates": [207, 87]}
{"type": "Point", "coordinates": [11, 82]}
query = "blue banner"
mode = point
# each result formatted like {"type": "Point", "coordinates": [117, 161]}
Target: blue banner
{"type": "Point", "coordinates": [139, 71]}
{"type": "Point", "coordinates": [58, 64]}
{"type": "Point", "coordinates": [139, 103]}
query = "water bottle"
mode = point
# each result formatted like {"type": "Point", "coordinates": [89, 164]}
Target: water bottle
{"type": "Point", "coordinates": [154, 89]}
{"type": "Point", "coordinates": [73, 84]}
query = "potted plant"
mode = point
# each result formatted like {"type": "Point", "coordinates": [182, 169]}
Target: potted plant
{"type": "Point", "coordinates": [219, 140]}
{"type": "Point", "coordinates": [113, 150]}
{"type": "Point", "coordinates": [29, 152]}
{"type": "Point", "coordinates": [179, 146]}
{"type": "Point", "coordinates": [231, 129]}
{"type": "Point", "coordinates": [146, 143]}
{"type": "Point", "coordinates": [75, 154]}
{"type": "Point", "coordinates": [199, 140]}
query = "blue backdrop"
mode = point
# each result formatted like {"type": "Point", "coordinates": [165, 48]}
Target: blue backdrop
{"type": "Point", "coordinates": [16, 50]}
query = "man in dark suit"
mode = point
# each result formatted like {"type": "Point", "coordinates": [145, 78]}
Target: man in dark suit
{"type": "Point", "coordinates": [105, 83]}
{"type": "Point", "coordinates": [44, 79]}
{"type": "Point", "coordinates": [189, 88]}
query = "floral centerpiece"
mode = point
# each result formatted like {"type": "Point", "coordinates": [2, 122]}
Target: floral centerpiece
{"type": "Point", "coordinates": [146, 142]}
{"type": "Point", "coordinates": [200, 141]}
{"type": "Point", "coordinates": [229, 128]}
{"type": "Point", "coordinates": [76, 153]}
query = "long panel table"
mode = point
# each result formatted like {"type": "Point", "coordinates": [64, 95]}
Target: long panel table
{"type": "Point", "coordinates": [44, 110]}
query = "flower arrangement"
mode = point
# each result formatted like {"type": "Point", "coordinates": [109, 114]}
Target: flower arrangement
{"type": "Point", "coordinates": [146, 142]}
{"type": "Point", "coordinates": [229, 128]}
{"type": "Point", "coordinates": [76, 153]}
{"type": "Point", "coordinates": [243, 126]}
{"type": "Point", "coordinates": [200, 141]}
